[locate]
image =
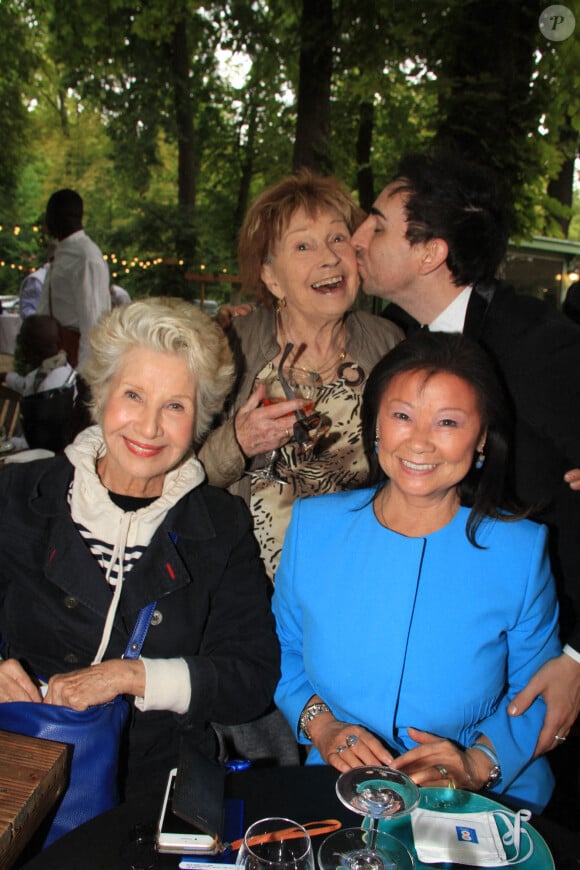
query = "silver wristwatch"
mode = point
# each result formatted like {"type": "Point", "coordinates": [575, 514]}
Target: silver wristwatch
{"type": "Point", "coordinates": [310, 712]}
{"type": "Point", "coordinates": [494, 775]}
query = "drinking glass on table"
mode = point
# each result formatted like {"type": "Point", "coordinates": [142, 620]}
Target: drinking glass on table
{"type": "Point", "coordinates": [303, 385]}
{"type": "Point", "coordinates": [376, 793]}
{"type": "Point", "coordinates": [276, 844]}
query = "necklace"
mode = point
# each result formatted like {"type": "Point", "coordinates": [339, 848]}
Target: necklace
{"type": "Point", "coordinates": [337, 362]}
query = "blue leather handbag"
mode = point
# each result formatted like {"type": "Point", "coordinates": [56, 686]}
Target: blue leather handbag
{"type": "Point", "coordinates": [94, 737]}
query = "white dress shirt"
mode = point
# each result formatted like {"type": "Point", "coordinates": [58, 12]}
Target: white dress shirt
{"type": "Point", "coordinates": [76, 290]}
{"type": "Point", "coordinates": [452, 318]}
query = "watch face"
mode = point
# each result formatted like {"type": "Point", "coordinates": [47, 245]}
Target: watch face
{"type": "Point", "coordinates": [494, 775]}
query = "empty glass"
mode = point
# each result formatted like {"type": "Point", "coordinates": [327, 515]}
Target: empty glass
{"type": "Point", "coordinates": [276, 844]}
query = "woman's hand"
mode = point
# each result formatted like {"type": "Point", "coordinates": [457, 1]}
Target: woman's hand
{"type": "Point", "coordinates": [357, 745]}
{"type": "Point", "coordinates": [440, 762]}
{"type": "Point", "coordinates": [260, 428]}
{"type": "Point", "coordinates": [558, 683]}
{"type": "Point", "coordinates": [226, 313]}
{"type": "Point", "coordinates": [15, 684]}
{"type": "Point", "coordinates": [572, 478]}
{"type": "Point", "coordinates": [97, 684]}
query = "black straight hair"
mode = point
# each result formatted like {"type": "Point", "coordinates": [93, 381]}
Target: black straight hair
{"type": "Point", "coordinates": [483, 490]}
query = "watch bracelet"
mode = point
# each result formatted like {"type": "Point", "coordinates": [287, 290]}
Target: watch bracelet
{"type": "Point", "coordinates": [495, 772]}
{"type": "Point", "coordinates": [310, 712]}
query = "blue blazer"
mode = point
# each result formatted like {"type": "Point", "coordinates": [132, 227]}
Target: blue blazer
{"type": "Point", "coordinates": [427, 632]}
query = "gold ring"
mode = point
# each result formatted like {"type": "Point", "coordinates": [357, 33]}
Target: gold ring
{"type": "Point", "coordinates": [288, 433]}
{"type": "Point", "coordinates": [451, 782]}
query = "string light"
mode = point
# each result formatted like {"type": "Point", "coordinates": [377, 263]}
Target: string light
{"type": "Point", "coordinates": [129, 265]}
{"type": "Point", "coordinates": [136, 263]}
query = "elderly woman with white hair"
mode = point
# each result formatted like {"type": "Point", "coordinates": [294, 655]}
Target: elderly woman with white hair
{"type": "Point", "coordinates": [123, 519]}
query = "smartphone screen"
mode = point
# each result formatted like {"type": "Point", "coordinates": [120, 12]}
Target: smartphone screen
{"type": "Point", "coordinates": [176, 835]}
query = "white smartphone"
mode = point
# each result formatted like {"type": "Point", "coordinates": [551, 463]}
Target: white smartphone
{"type": "Point", "coordinates": [177, 836]}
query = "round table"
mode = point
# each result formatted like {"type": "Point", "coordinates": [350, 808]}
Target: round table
{"type": "Point", "coordinates": [304, 794]}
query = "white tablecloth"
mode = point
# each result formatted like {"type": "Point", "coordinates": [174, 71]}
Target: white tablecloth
{"type": "Point", "coordinates": [9, 329]}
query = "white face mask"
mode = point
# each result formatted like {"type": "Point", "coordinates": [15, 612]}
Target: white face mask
{"type": "Point", "coordinates": [471, 838]}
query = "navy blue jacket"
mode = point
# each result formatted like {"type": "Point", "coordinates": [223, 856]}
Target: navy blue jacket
{"type": "Point", "coordinates": [202, 567]}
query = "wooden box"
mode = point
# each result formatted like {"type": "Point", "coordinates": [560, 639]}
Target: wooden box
{"type": "Point", "coordinates": [33, 773]}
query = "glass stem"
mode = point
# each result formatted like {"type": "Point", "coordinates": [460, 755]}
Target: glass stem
{"type": "Point", "coordinates": [373, 831]}
{"type": "Point", "coordinates": [272, 462]}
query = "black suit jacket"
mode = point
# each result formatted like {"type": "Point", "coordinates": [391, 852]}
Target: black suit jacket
{"type": "Point", "coordinates": [536, 351]}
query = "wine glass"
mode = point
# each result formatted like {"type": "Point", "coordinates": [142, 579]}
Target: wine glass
{"type": "Point", "coordinates": [302, 384]}
{"type": "Point", "coordinates": [276, 844]}
{"type": "Point", "coordinates": [377, 793]}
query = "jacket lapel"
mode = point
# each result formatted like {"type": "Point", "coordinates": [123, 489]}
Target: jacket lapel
{"type": "Point", "coordinates": [477, 309]}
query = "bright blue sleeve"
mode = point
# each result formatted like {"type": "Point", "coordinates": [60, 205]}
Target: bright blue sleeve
{"type": "Point", "coordinates": [532, 640]}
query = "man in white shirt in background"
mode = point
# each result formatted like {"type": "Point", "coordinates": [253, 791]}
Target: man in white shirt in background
{"type": "Point", "coordinates": [76, 291]}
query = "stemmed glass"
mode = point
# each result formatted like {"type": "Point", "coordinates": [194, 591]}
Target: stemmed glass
{"type": "Point", "coordinates": [302, 384]}
{"type": "Point", "coordinates": [377, 793]}
{"type": "Point", "coordinates": [276, 844]}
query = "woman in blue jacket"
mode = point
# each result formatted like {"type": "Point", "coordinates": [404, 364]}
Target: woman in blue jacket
{"type": "Point", "coordinates": [410, 612]}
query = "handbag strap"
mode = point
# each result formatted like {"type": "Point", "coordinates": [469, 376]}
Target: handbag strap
{"type": "Point", "coordinates": [139, 633]}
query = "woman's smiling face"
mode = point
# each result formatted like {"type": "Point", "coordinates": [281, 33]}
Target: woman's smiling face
{"type": "Point", "coordinates": [147, 421]}
{"type": "Point", "coordinates": [313, 266]}
{"type": "Point", "coordinates": [429, 428]}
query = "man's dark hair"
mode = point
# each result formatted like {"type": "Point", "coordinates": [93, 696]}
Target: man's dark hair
{"type": "Point", "coordinates": [461, 202]}
{"type": "Point", "coordinates": [483, 490]}
{"type": "Point", "coordinates": [64, 213]}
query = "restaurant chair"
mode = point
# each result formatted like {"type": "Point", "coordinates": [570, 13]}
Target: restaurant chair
{"type": "Point", "coordinates": [9, 410]}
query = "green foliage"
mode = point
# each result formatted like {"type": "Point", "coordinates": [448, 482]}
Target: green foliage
{"type": "Point", "coordinates": [89, 99]}
{"type": "Point", "coordinates": [17, 64]}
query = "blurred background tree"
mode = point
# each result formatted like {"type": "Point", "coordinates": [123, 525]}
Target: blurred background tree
{"type": "Point", "coordinates": [169, 116]}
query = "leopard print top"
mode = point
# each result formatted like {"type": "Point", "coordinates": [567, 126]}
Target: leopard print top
{"type": "Point", "coordinates": [338, 463]}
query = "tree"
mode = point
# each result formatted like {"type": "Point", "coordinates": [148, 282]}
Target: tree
{"type": "Point", "coordinates": [17, 64]}
{"type": "Point", "coordinates": [317, 34]}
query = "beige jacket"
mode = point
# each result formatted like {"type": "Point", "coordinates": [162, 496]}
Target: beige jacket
{"type": "Point", "coordinates": [253, 339]}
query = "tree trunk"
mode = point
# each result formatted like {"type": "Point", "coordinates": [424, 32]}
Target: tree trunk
{"type": "Point", "coordinates": [186, 159]}
{"type": "Point", "coordinates": [487, 107]}
{"type": "Point", "coordinates": [312, 146]}
{"type": "Point", "coordinates": [364, 143]}
{"type": "Point", "coordinates": [246, 166]}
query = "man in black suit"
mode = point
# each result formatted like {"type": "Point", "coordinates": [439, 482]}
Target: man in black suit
{"type": "Point", "coordinates": [432, 245]}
